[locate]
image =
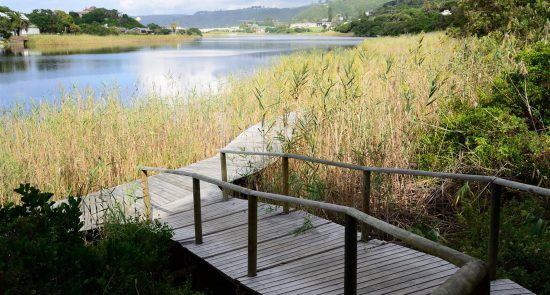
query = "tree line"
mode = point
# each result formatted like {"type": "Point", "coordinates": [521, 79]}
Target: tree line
{"type": "Point", "coordinates": [98, 21]}
{"type": "Point", "coordinates": [525, 19]}
{"type": "Point", "coordinates": [12, 22]}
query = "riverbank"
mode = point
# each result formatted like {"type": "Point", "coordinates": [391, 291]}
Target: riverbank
{"type": "Point", "coordinates": [75, 41]}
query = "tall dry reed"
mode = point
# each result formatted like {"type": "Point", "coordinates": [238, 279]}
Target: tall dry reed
{"type": "Point", "coordinates": [367, 105]}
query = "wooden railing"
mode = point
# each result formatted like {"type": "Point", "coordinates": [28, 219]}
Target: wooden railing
{"type": "Point", "coordinates": [473, 277]}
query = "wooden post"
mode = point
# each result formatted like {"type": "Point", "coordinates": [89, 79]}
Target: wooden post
{"type": "Point", "coordinates": [224, 175]}
{"type": "Point", "coordinates": [365, 229]}
{"type": "Point", "coordinates": [252, 235]}
{"type": "Point", "coordinates": [285, 184]}
{"type": "Point", "coordinates": [495, 228]}
{"type": "Point", "coordinates": [197, 210]}
{"type": "Point", "coordinates": [350, 256]}
{"type": "Point", "coordinates": [146, 196]}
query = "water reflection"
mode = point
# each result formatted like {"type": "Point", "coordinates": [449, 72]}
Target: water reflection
{"type": "Point", "coordinates": [167, 69]}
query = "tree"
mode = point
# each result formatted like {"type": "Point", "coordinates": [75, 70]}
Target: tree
{"type": "Point", "coordinates": [44, 19]}
{"type": "Point", "coordinates": [173, 26]}
{"type": "Point", "coordinates": [63, 21]}
{"type": "Point", "coordinates": [526, 19]}
{"type": "Point", "coordinates": [5, 22]}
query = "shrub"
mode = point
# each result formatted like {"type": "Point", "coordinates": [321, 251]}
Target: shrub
{"type": "Point", "coordinates": [41, 248]}
{"type": "Point", "coordinates": [43, 251]}
{"type": "Point", "coordinates": [524, 253]}
{"type": "Point", "coordinates": [525, 92]}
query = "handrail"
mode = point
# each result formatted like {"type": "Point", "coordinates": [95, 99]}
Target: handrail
{"type": "Point", "coordinates": [466, 177]}
{"type": "Point", "coordinates": [496, 184]}
{"type": "Point", "coordinates": [458, 258]}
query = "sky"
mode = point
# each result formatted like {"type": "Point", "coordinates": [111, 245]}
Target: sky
{"type": "Point", "coordinates": [145, 7]}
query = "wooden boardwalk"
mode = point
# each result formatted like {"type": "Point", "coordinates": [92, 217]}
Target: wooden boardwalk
{"type": "Point", "coordinates": [297, 253]}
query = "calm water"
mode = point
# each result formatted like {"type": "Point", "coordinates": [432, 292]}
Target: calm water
{"type": "Point", "coordinates": [32, 75]}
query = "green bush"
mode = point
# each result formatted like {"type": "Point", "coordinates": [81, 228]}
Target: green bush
{"type": "Point", "coordinates": [526, 92]}
{"type": "Point", "coordinates": [41, 247]}
{"type": "Point", "coordinates": [524, 254]}
{"type": "Point", "coordinates": [43, 251]}
{"type": "Point", "coordinates": [487, 140]}
{"type": "Point", "coordinates": [508, 137]}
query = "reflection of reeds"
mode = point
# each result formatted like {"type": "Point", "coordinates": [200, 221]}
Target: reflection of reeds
{"type": "Point", "coordinates": [367, 105]}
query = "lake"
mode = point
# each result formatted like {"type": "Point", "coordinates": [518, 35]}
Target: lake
{"type": "Point", "coordinates": [38, 75]}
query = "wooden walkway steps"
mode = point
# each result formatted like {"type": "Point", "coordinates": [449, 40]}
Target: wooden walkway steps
{"type": "Point", "coordinates": [298, 253]}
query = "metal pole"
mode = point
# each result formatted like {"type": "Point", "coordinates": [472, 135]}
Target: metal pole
{"type": "Point", "coordinates": [365, 229]}
{"type": "Point", "coordinates": [252, 235]}
{"type": "Point", "coordinates": [285, 184]}
{"type": "Point", "coordinates": [224, 175]}
{"type": "Point", "coordinates": [146, 196]}
{"type": "Point", "coordinates": [350, 257]}
{"type": "Point", "coordinates": [495, 228]}
{"type": "Point", "coordinates": [197, 210]}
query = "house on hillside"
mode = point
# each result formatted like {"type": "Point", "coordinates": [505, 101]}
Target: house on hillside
{"type": "Point", "coordinates": [446, 12]}
{"type": "Point", "coordinates": [86, 10]}
{"type": "Point", "coordinates": [140, 31]}
{"type": "Point", "coordinates": [32, 30]}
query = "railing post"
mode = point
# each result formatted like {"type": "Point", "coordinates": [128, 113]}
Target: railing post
{"type": "Point", "coordinates": [224, 175]}
{"type": "Point", "coordinates": [285, 184]}
{"type": "Point", "coordinates": [495, 228]}
{"type": "Point", "coordinates": [146, 196]}
{"type": "Point", "coordinates": [365, 229]}
{"type": "Point", "coordinates": [197, 210]}
{"type": "Point", "coordinates": [252, 235]}
{"type": "Point", "coordinates": [350, 256]}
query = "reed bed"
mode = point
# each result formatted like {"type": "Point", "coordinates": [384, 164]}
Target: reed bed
{"type": "Point", "coordinates": [367, 105]}
{"type": "Point", "coordinates": [44, 40]}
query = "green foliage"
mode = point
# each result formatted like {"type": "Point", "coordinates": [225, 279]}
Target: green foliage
{"type": "Point", "coordinates": [403, 17]}
{"type": "Point", "coordinates": [134, 257]}
{"type": "Point", "coordinates": [49, 21]}
{"type": "Point", "coordinates": [524, 254]}
{"type": "Point", "coordinates": [97, 29]}
{"type": "Point", "coordinates": [41, 248]}
{"type": "Point", "coordinates": [346, 8]}
{"type": "Point", "coordinates": [526, 19]}
{"type": "Point", "coordinates": [525, 92]}
{"type": "Point", "coordinates": [11, 22]}
{"type": "Point", "coordinates": [43, 251]}
{"type": "Point", "coordinates": [504, 135]}
{"type": "Point", "coordinates": [194, 31]}
{"type": "Point", "coordinates": [497, 136]}
{"type": "Point", "coordinates": [285, 30]}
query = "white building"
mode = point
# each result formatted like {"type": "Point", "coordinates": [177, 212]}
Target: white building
{"type": "Point", "coordinates": [32, 30]}
{"type": "Point", "coordinates": [446, 12]}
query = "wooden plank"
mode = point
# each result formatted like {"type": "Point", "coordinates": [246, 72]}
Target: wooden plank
{"type": "Point", "coordinates": [185, 234]}
{"type": "Point", "coordinates": [234, 239]}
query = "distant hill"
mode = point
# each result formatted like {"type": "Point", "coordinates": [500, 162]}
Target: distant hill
{"type": "Point", "coordinates": [349, 8]}
{"type": "Point", "coordinates": [228, 18]}
{"type": "Point", "coordinates": [224, 18]}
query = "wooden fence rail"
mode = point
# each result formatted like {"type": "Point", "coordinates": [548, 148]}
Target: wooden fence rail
{"type": "Point", "coordinates": [473, 277]}
{"type": "Point", "coordinates": [496, 184]}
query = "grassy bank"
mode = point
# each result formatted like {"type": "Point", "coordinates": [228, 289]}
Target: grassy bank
{"type": "Point", "coordinates": [38, 41]}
